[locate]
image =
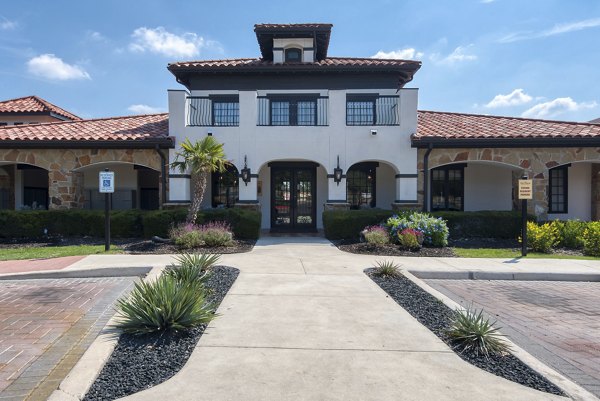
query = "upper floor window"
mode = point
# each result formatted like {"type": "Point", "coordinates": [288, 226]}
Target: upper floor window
{"type": "Point", "coordinates": [221, 110]}
{"type": "Point", "coordinates": [371, 110]}
{"type": "Point", "coordinates": [293, 111]}
{"type": "Point", "coordinates": [293, 55]}
{"type": "Point", "coordinates": [558, 187]}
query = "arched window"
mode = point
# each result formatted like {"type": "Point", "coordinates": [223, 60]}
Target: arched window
{"type": "Point", "coordinates": [225, 188]}
{"type": "Point", "coordinates": [293, 55]}
{"type": "Point", "coordinates": [360, 185]}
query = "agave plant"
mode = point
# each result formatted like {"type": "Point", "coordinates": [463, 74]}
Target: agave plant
{"type": "Point", "coordinates": [191, 267]}
{"type": "Point", "coordinates": [162, 305]}
{"type": "Point", "coordinates": [387, 268]}
{"type": "Point", "coordinates": [471, 331]}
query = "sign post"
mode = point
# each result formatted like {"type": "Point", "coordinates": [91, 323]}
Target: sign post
{"type": "Point", "coordinates": [525, 193]}
{"type": "Point", "coordinates": [107, 187]}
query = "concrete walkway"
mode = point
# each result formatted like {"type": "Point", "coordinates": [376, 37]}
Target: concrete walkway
{"type": "Point", "coordinates": [303, 322]}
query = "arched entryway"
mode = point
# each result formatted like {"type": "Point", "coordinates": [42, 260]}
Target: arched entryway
{"type": "Point", "coordinates": [370, 184]}
{"type": "Point", "coordinates": [224, 187]}
{"type": "Point", "coordinates": [23, 186]}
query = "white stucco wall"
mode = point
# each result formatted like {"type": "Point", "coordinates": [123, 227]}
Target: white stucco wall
{"type": "Point", "coordinates": [320, 144]}
{"type": "Point", "coordinates": [125, 176]}
{"type": "Point", "coordinates": [487, 187]}
{"type": "Point", "coordinates": [580, 193]}
{"type": "Point", "coordinates": [385, 190]}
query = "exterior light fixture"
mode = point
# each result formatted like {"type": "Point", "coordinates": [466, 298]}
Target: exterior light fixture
{"type": "Point", "coordinates": [246, 172]}
{"type": "Point", "coordinates": [337, 172]}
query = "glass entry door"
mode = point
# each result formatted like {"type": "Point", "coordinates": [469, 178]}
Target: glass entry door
{"type": "Point", "coordinates": [293, 196]}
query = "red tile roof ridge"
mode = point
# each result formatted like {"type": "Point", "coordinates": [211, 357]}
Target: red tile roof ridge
{"type": "Point", "coordinates": [507, 117]}
{"type": "Point", "coordinates": [50, 106]}
{"type": "Point", "coordinates": [5, 127]}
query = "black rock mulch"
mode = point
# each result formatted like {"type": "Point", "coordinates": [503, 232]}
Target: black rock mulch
{"type": "Point", "coordinates": [392, 250]}
{"type": "Point", "coordinates": [436, 316]}
{"type": "Point", "coordinates": [151, 247]}
{"type": "Point", "coordinates": [141, 362]}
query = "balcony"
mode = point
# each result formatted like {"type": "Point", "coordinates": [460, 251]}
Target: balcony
{"type": "Point", "coordinates": [367, 109]}
{"type": "Point", "coordinates": [213, 111]}
{"type": "Point", "coordinates": [292, 110]}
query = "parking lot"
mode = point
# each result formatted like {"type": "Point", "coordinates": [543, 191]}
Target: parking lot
{"type": "Point", "coordinates": [558, 322]}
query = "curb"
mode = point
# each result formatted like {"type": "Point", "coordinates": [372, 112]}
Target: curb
{"type": "Point", "coordinates": [139, 271]}
{"type": "Point", "coordinates": [79, 380]}
{"type": "Point", "coordinates": [521, 276]}
{"type": "Point", "coordinates": [572, 389]}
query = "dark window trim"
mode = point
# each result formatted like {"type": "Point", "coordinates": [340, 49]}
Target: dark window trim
{"type": "Point", "coordinates": [565, 185]}
{"type": "Point", "coordinates": [459, 166]}
{"type": "Point", "coordinates": [293, 49]}
{"type": "Point", "coordinates": [293, 109]}
{"type": "Point", "coordinates": [216, 182]}
{"type": "Point", "coordinates": [368, 97]}
{"type": "Point", "coordinates": [365, 167]}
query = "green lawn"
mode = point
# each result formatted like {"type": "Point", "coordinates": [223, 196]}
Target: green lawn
{"type": "Point", "coordinates": [54, 251]}
{"type": "Point", "coordinates": [508, 253]}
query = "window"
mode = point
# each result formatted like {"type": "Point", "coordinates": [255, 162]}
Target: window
{"type": "Point", "coordinates": [293, 112]}
{"type": "Point", "coordinates": [360, 185]}
{"type": "Point", "coordinates": [225, 187]}
{"type": "Point", "coordinates": [447, 188]}
{"type": "Point", "coordinates": [3, 124]}
{"type": "Point", "coordinates": [558, 193]}
{"type": "Point", "coordinates": [226, 112]}
{"type": "Point", "coordinates": [372, 109]}
{"type": "Point", "coordinates": [18, 123]}
{"type": "Point", "coordinates": [220, 110]}
{"type": "Point", "coordinates": [360, 111]}
{"type": "Point", "coordinates": [293, 55]}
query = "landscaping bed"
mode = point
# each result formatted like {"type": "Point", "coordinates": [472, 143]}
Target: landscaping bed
{"type": "Point", "coordinates": [366, 248]}
{"type": "Point", "coordinates": [437, 317]}
{"type": "Point", "coordinates": [139, 362]}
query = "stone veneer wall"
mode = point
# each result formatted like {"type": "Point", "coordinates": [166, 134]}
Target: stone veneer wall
{"type": "Point", "coordinates": [65, 186]}
{"type": "Point", "coordinates": [535, 161]}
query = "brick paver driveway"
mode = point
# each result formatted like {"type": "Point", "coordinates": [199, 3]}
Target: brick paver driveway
{"type": "Point", "coordinates": [46, 325]}
{"type": "Point", "coordinates": [558, 322]}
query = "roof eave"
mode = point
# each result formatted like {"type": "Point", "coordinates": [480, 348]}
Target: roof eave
{"type": "Point", "coordinates": [163, 143]}
{"type": "Point", "coordinates": [556, 142]}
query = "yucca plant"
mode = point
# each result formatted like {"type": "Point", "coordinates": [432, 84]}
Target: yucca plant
{"type": "Point", "coordinates": [471, 331]}
{"type": "Point", "coordinates": [387, 268]}
{"type": "Point", "coordinates": [190, 267]}
{"type": "Point", "coordinates": [162, 305]}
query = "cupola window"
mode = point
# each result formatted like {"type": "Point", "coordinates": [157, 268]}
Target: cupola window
{"type": "Point", "coordinates": [293, 55]}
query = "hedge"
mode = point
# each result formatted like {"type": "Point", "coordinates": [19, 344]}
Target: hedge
{"type": "Point", "coordinates": [124, 223]}
{"type": "Point", "coordinates": [347, 224]}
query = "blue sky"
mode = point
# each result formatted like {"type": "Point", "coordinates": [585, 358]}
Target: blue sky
{"type": "Point", "coordinates": [534, 58]}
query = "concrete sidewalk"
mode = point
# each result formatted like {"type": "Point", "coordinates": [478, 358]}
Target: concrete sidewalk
{"type": "Point", "coordinates": [303, 322]}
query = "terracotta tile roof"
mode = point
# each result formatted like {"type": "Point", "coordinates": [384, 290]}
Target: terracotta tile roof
{"type": "Point", "coordinates": [131, 129]}
{"type": "Point", "coordinates": [325, 64]}
{"type": "Point", "coordinates": [436, 125]}
{"type": "Point", "coordinates": [33, 104]}
{"type": "Point", "coordinates": [310, 25]}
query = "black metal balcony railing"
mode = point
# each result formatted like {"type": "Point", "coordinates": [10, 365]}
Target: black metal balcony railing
{"type": "Point", "coordinates": [372, 110]}
{"type": "Point", "coordinates": [213, 111]}
{"type": "Point", "coordinates": [292, 111]}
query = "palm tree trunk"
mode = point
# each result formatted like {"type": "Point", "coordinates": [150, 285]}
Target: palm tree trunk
{"type": "Point", "coordinates": [199, 188]}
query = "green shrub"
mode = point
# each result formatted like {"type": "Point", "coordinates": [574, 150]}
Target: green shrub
{"type": "Point", "coordinates": [377, 235]}
{"type": "Point", "coordinates": [542, 237]}
{"type": "Point", "coordinates": [591, 239]}
{"type": "Point", "coordinates": [435, 230]}
{"type": "Point", "coordinates": [164, 304]}
{"type": "Point", "coordinates": [483, 224]}
{"type": "Point", "coordinates": [570, 233]}
{"type": "Point", "coordinates": [347, 224]}
{"type": "Point", "coordinates": [216, 233]}
{"type": "Point", "coordinates": [471, 332]}
{"type": "Point", "coordinates": [244, 223]}
{"type": "Point", "coordinates": [186, 236]}
{"type": "Point", "coordinates": [386, 268]}
{"type": "Point", "coordinates": [190, 267]}
{"type": "Point", "coordinates": [159, 222]}
{"type": "Point", "coordinates": [410, 239]}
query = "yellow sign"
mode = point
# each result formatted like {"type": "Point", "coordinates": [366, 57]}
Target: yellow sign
{"type": "Point", "coordinates": [525, 189]}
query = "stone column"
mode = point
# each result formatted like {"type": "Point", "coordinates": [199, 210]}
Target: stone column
{"type": "Point", "coordinates": [539, 205]}
{"type": "Point", "coordinates": [65, 189]}
{"type": "Point", "coordinates": [596, 191]}
{"type": "Point", "coordinates": [406, 192]}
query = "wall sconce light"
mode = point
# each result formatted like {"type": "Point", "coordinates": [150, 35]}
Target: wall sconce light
{"type": "Point", "coordinates": [246, 172]}
{"type": "Point", "coordinates": [337, 172]}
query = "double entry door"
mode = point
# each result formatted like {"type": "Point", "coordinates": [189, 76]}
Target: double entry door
{"type": "Point", "coordinates": [293, 196]}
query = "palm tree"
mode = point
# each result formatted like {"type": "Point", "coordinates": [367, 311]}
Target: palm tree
{"type": "Point", "coordinates": [202, 157]}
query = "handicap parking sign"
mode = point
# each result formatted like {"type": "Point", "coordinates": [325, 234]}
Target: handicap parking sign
{"type": "Point", "coordinates": [107, 182]}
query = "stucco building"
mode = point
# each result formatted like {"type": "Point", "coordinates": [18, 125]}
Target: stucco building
{"type": "Point", "coordinates": [306, 132]}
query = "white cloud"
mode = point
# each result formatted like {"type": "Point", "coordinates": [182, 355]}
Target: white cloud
{"type": "Point", "coordinates": [145, 109]}
{"type": "Point", "coordinates": [514, 98]}
{"type": "Point", "coordinates": [557, 29]}
{"type": "Point", "coordinates": [7, 25]}
{"type": "Point", "coordinates": [556, 107]}
{"type": "Point", "coordinates": [458, 55]}
{"type": "Point", "coordinates": [160, 41]}
{"type": "Point", "coordinates": [51, 67]}
{"type": "Point", "coordinates": [487, 1]}
{"type": "Point", "coordinates": [401, 54]}
{"type": "Point", "coordinates": [95, 36]}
